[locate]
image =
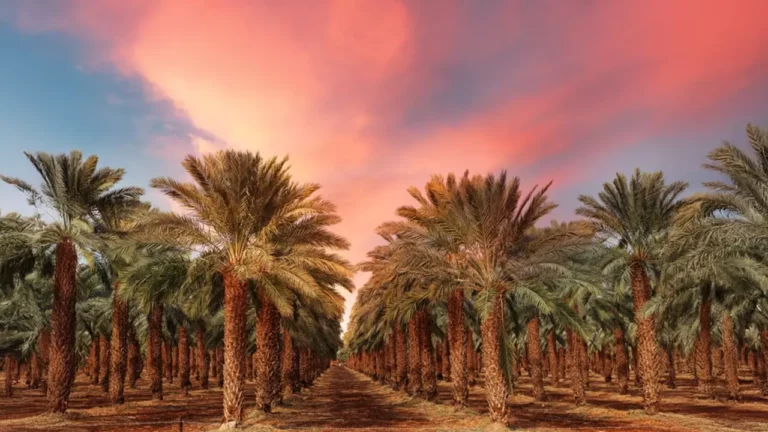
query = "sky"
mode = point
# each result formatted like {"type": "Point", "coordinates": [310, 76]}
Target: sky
{"type": "Point", "coordinates": [369, 97]}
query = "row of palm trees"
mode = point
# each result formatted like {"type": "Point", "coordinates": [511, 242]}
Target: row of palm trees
{"type": "Point", "coordinates": [646, 277]}
{"type": "Point", "coordinates": [245, 275]}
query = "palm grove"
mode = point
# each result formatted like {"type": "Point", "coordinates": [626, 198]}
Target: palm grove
{"type": "Point", "coordinates": [468, 280]}
{"type": "Point", "coordinates": [240, 285]}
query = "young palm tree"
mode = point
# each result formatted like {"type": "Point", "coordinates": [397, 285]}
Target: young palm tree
{"type": "Point", "coordinates": [241, 210]}
{"type": "Point", "coordinates": [638, 214]}
{"type": "Point", "coordinates": [76, 190]}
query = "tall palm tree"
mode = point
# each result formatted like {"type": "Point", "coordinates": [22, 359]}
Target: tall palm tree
{"type": "Point", "coordinates": [76, 190]}
{"type": "Point", "coordinates": [240, 210]}
{"type": "Point", "coordinates": [638, 214]}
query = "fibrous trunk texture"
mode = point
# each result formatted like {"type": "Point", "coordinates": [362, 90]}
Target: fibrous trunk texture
{"type": "Point", "coordinates": [9, 370]}
{"type": "Point", "coordinates": [119, 355]}
{"type": "Point", "coordinates": [154, 351]}
{"type": "Point", "coordinates": [289, 366]}
{"type": "Point", "coordinates": [574, 367]}
{"type": "Point", "coordinates": [203, 359]}
{"type": "Point", "coordinates": [93, 360]}
{"type": "Point", "coordinates": [496, 387]}
{"type": "Point", "coordinates": [428, 373]}
{"type": "Point", "coordinates": [235, 319]}
{"type": "Point", "coordinates": [414, 356]}
{"type": "Point", "coordinates": [446, 360]}
{"type": "Point", "coordinates": [43, 357]}
{"type": "Point", "coordinates": [185, 383]}
{"type": "Point", "coordinates": [134, 358]}
{"type": "Point", "coordinates": [471, 366]}
{"type": "Point", "coordinates": [554, 370]}
{"type": "Point", "coordinates": [730, 357]}
{"type": "Point", "coordinates": [702, 350]}
{"type": "Point", "coordinates": [534, 358]}
{"type": "Point", "coordinates": [401, 358]}
{"type": "Point", "coordinates": [106, 355]}
{"type": "Point", "coordinates": [392, 361]}
{"type": "Point", "coordinates": [670, 368]}
{"type": "Point", "coordinates": [457, 344]}
{"type": "Point", "coordinates": [61, 369]}
{"type": "Point", "coordinates": [648, 350]}
{"type": "Point", "coordinates": [267, 355]}
{"type": "Point", "coordinates": [168, 359]}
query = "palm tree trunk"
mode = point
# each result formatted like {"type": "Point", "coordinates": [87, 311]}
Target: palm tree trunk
{"type": "Point", "coordinates": [703, 351]}
{"type": "Point", "coordinates": [647, 347]}
{"type": "Point", "coordinates": [764, 362]}
{"type": "Point", "coordinates": [446, 358]}
{"type": "Point", "coordinates": [414, 356]}
{"type": "Point", "coordinates": [635, 367]}
{"type": "Point", "coordinates": [133, 358]}
{"type": "Point", "coordinates": [607, 365]}
{"type": "Point", "coordinates": [554, 369]}
{"type": "Point", "coordinates": [176, 359]}
{"type": "Point", "coordinates": [392, 360]}
{"type": "Point", "coordinates": [185, 383]}
{"type": "Point", "coordinates": [584, 369]}
{"type": "Point", "coordinates": [9, 363]}
{"type": "Point", "coordinates": [457, 344]}
{"type": "Point", "coordinates": [95, 360]}
{"type": "Point", "coordinates": [154, 351]}
{"type": "Point", "coordinates": [534, 358]}
{"type": "Point", "coordinates": [471, 366]}
{"type": "Point", "coordinates": [574, 367]}
{"type": "Point", "coordinates": [43, 357]}
{"type": "Point", "coordinates": [219, 353]}
{"type": "Point", "coordinates": [496, 386]}
{"type": "Point", "coordinates": [561, 362]}
{"type": "Point", "coordinates": [61, 369]}
{"type": "Point", "coordinates": [670, 368]}
{"type": "Point", "coordinates": [34, 371]}
{"type": "Point", "coordinates": [304, 365]}
{"type": "Point", "coordinates": [401, 355]}
{"type": "Point", "coordinates": [168, 361]}
{"type": "Point", "coordinates": [106, 360]}
{"type": "Point", "coordinates": [289, 365]}
{"type": "Point", "coordinates": [203, 360]}
{"type": "Point", "coordinates": [428, 373]}
{"type": "Point", "coordinates": [119, 355]}
{"type": "Point", "coordinates": [235, 319]}
{"type": "Point", "coordinates": [730, 354]}
{"type": "Point", "coordinates": [267, 355]}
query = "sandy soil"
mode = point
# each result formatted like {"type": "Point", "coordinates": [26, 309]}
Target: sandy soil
{"type": "Point", "coordinates": [342, 399]}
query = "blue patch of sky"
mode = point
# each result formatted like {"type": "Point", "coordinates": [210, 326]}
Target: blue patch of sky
{"type": "Point", "coordinates": [50, 102]}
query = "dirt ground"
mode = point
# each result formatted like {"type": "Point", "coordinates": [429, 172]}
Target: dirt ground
{"type": "Point", "coordinates": [343, 399]}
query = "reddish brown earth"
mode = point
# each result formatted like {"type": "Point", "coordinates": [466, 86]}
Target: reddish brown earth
{"type": "Point", "coordinates": [343, 399]}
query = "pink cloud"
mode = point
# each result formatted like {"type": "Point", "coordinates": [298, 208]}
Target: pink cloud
{"type": "Point", "coordinates": [329, 82]}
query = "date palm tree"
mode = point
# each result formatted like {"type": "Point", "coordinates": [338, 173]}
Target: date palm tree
{"type": "Point", "coordinates": [253, 223]}
{"type": "Point", "coordinates": [76, 191]}
{"type": "Point", "coordinates": [638, 214]}
{"type": "Point", "coordinates": [494, 224]}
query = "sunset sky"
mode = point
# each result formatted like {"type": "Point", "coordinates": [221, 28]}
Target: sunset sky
{"type": "Point", "coordinates": [368, 97]}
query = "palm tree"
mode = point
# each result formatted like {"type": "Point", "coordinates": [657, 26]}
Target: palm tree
{"type": "Point", "coordinates": [639, 215]}
{"type": "Point", "coordinates": [246, 215]}
{"type": "Point", "coordinates": [153, 282]}
{"type": "Point", "coordinates": [77, 192]}
{"type": "Point", "coordinates": [493, 222]}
